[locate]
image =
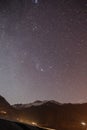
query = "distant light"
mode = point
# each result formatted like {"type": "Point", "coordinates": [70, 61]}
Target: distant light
{"type": "Point", "coordinates": [83, 123]}
{"type": "Point", "coordinates": [34, 123]}
{"type": "Point", "coordinates": [3, 112]}
{"type": "Point", "coordinates": [18, 119]}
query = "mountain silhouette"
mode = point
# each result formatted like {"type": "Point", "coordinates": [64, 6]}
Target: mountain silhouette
{"type": "Point", "coordinates": [50, 114]}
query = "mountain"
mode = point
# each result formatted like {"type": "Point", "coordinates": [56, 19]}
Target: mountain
{"type": "Point", "coordinates": [3, 102]}
{"type": "Point", "coordinates": [54, 115]}
{"type": "Point", "coordinates": [6, 110]}
{"type": "Point", "coordinates": [4, 107]}
{"type": "Point", "coordinates": [36, 103]}
{"type": "Point", "coordinates": [50, 114]}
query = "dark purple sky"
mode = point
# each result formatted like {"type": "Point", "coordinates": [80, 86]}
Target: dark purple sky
{"type": "Point", "coordinates": [43, 50]}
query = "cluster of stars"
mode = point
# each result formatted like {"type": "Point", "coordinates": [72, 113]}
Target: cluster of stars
{"type": "Point", "coordinates": [43, 50]}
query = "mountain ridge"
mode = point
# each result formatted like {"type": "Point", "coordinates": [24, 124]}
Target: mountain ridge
{"type": "Point", "coordinates": [46, 113]}
{"type": "Point", "coordinates": [36, 103]}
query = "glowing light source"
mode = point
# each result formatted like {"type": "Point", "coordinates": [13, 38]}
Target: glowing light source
{"type": "Point", "coordinates": [83, 123]}
{"type": "Point", "coordinates": [3, 112]}
{"type": "Point", "coordinates": [34, 123]}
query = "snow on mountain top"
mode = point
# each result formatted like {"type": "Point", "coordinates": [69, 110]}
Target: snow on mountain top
{"type": "Point", "coordinates": [36, 103]}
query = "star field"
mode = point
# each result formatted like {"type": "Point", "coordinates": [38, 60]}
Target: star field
{"type": "Point", "coordinates": [43, 50]}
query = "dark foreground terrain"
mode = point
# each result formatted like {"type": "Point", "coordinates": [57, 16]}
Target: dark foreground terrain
{"type": "Point", "coordinates": [10, 125]}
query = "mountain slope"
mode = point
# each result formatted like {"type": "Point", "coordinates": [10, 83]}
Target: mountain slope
{"type": "Point", "coordinates": [54, 115]}
{"type": "Point", "coordinates": [46, 113]}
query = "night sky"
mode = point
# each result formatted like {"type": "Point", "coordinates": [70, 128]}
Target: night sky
{"type": "Point", "coordinates": [43, 50]}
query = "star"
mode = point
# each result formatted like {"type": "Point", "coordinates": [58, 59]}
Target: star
{"type": "Point", "coordinates": [42, 70]}
{"type": "Point", "coordinates": [35, 1]}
